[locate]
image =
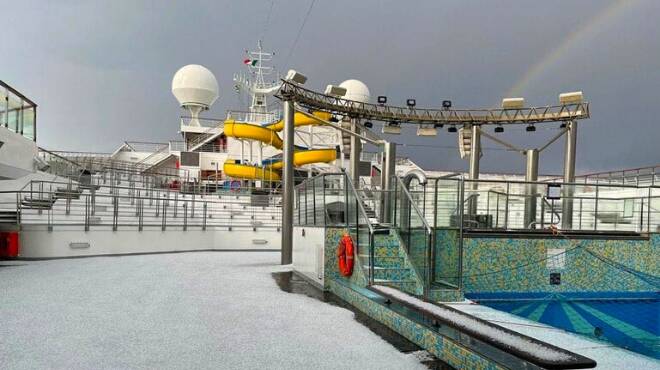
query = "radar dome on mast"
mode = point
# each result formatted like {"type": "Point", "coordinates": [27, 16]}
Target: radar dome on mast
{"type": "Point", "coordinates": [356, 90]}
{"type": "Point", "coordinates": [196, 89]}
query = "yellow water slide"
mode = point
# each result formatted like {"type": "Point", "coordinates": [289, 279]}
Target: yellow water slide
{"type": "Point", "coordinates": [268, 135]}
{"type": "Point", "coordinates": [246, 171]}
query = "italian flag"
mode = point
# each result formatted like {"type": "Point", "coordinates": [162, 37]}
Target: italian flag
{"type": "Point", "coordinates": [251, 62]}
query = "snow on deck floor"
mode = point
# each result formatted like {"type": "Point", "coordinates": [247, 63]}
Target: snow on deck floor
{"type": "Point", "coordinates": [606, 355]}
{"type": "Point", "coordinates": [187, 310]}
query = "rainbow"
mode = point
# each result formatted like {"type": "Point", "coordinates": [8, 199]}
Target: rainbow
{"type": "Point", "coordinates": [588, 29]}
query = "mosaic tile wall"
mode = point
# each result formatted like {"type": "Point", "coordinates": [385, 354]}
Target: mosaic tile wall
{"type": "Point", "coordinates": [441, 347]}
{"type": "Point", "coordinates": [392, 246]}
{"type": "Point", "coordinates": [331, 269]}
{"type": "Point", "coordinates": [578, 265]}
{"type": "Point", "coordinates": [389, 255]}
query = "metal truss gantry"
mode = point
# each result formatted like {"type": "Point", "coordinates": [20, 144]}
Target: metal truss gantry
{"type": "Point", "coordinates": [413, 115]}
{"type": "Point", "coordinates": [569, 113]}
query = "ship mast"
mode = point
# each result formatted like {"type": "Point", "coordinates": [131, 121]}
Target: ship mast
{"type": "Point", "coordinates": [258, 84]}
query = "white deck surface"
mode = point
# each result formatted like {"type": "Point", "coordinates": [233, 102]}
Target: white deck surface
{"type": "Point", "coordinates": [186, 311]}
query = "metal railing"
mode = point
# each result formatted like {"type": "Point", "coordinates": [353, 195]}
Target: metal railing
{"type": "Point", "coordinates": [70, 204]}
{"type": "Point", "coordinates": [415, 232]}
{"type": "Point", "coordinates": [212, 130]}
{"type": "Point", "coordinates": [254, 117]}
{"type": "Point", "coordinates": [331, 200]}
{"type": "Point", "coordinates": [17, 112]}
{"type": "Point", "coordinates": [643, 176]}
{"type": "Point", "coordinates": [500, 204]}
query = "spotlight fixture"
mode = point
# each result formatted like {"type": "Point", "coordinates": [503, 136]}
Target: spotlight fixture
{"type": "Point", "coordinates": [426, 129]}
{"type": "Point", "coordinates": [393, 128]}
{"type": "Point", "coordinates": [368, 124]}
{"type": "Point", "coordinates": [563, 125]}
{"type": "Point", "coordinates": [574, 97]}
{"type": "Point", "coordinates": [446, 104]}
{"type": "Point", "coordinates": [530, 128]}
{"type": "Point", "coordinates": [438, 125]}
{"type": "Point", "coordinates": [499, 129]}
{"type": "Point", "coordinates": [296, 77]}
{"type": "Point", "coordinates": [513, 103]}
{"type": "Point", "coordinates": [411, 103]}
{"type": "Point", "coordinates": [382, 100]}
{"type": "Point", "coordinates": [452, 128]}
{"type": "Point", "coordinates": [335, 91]}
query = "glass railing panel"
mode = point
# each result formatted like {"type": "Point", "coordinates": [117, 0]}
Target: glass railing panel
{"type": "Point", "coordinates": [414, 232]}
{"type": "Point", "coordinates": [653, 211]}
{"type": "Point", "coordinates": [319, 205]}
{"type": "Point", "coordinates": [309, 202]}
{"type": "Point", "coordinates": [28, 123]}
{"type": "Point", "coordinates": [617, 209]}
{"type": "Point", "coordinates": [445, 199]}
{"type": "Point", "coordinates": [364, 241]}
{"type": "Point", "coordinates": [296, 206]}
{"type": "Point", "coordinates": [359, 228]}
{"type": "Point", "coordinates": [334, 200]}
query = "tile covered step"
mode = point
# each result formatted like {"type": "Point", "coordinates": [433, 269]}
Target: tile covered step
{"type": "Point", "coordinates": [391, 273]}
{"type": "Point", "coordinates": [408, 286]}
{"type": "Point", "coordinates": [384, 261]}
{"type": "Point", "coordinates": [386, 250]}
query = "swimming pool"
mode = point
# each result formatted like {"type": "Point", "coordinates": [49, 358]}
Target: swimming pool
{"type": "Point", "coordinates": [627, 320]}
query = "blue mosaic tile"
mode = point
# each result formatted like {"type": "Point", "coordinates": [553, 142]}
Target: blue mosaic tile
{"type": "Point", "coordinates": [523, 265]}
{"type": "Point", "coordinates": [443, 348]}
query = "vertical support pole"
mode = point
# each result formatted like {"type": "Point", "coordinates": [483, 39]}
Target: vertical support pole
{"type": "Point", "coordinates": [356, 149]}
{"type": "Point", "coordinates": [86, 213]}
{"type": "Point", "coordinates": [435, 228]}
{"type": "Point", "coordinates": [475, 152]}
{"type": "Point", "coordinates": [531, 175]}
{"type": "Point", "coordinates": [141, 214]}
{"type": "Point", "coordinates": [287, 184]}
{"type": "Point", "coordinates": [204, 218]}
{"type": "Point", "coordinates": [6, 107]}
{"type": "Point", "coordinates": [388, 167]}
{"type": "Point", "coordinates": [461, 216]}
{"type": "Point", "coordinates": [314, 203]}
{"type": "Point", "coordinates": [569, 175]}
{"type": "Point", "coordinates": [648, 210]}
{"type": "Point", "coordinates": [506, 206]}
{"type": "Point", "coordinates": [596, 210]}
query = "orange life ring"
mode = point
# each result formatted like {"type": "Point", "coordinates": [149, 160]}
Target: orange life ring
{"type": "Point", "coordinates": [345, 255]}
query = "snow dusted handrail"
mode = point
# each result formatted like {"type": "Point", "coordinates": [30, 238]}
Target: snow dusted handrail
{"type": "Point", "coordinates": [521, 346]}
{"type": "Point", "coordinates": [414, 205]}
{"type": "Point", "coordinates": [360, 205]}
{"type": "Point", "coordinates": [318, 101]}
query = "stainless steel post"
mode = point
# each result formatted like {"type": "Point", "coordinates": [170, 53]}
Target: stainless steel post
{"type": "Point", "coordinates": [287, 184]}
{"type": "Point", "coordinates": [356, 149]}
{"type": "Point", "coordinates": [569, 176]}
{"type": "Point", "coordinates": [531, 175]}
{"type": "Point", "coordinates": [388, 171]}
{"type": "Point", "coordinates": [475, 152]}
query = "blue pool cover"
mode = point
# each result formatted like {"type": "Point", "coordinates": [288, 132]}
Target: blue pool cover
{"type": "Point", "coordinates": [630, 321]}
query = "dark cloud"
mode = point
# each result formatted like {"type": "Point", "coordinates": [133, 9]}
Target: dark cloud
{"type": "Point", "coordinates": [101, 70]}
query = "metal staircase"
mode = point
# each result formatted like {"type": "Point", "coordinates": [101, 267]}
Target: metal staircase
{"type": "Point", "coordinates": [9, 217]}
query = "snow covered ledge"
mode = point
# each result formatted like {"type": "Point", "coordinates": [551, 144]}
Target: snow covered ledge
{"type": "Point", "coordinates": [529, 349]}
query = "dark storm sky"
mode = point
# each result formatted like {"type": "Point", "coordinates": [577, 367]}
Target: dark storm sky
{"type": "Point", "coordinates": [101, 70]}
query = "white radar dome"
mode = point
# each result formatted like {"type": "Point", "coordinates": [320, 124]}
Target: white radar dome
{"type": "Point", "coordinates": [195, 85]}
{"type": "Point", "coordinates": [356, 90]}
